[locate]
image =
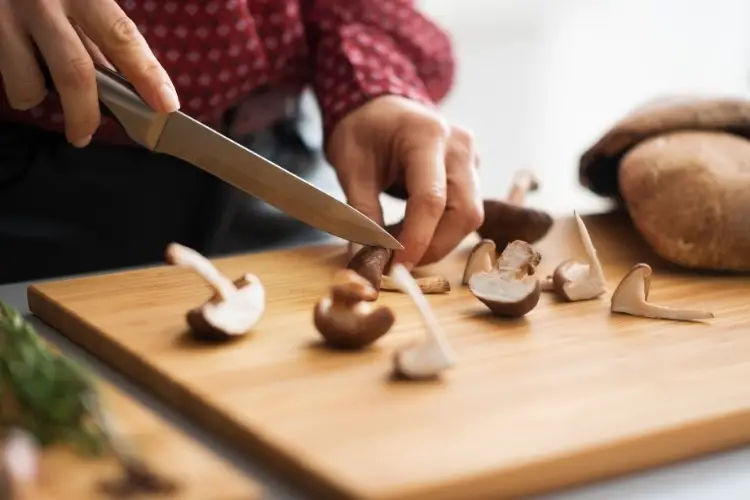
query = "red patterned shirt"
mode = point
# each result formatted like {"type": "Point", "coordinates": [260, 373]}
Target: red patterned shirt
{"type": "Point", "coordinates": [220, 52]}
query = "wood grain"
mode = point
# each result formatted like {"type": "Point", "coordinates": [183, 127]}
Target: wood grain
{"type": "Point", "coordinates": [568, 394]}
{"type": "Point", "coordinates": [198, 473]}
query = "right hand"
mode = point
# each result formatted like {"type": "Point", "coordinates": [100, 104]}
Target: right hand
{"type": "Point", "coordinates": [70, 35]}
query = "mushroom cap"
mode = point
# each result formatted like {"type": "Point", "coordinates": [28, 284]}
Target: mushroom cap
{"type": "Point", "coordinates": [505, 222]}
{"type": "Point", "coordinates": [221, 319]}
{"type": "Point", "coordinates": [482, 258]}
{"type": "Point", "coordinates": [505, 296]}
{"type": "Point", "coordinates": [351, 327]}
{"type": "Point", "coordinates": [688, 194]}
{"type": "Point", "coordinates": [351, 287]}
{"type": "Point", "coordinates": [599, 165]}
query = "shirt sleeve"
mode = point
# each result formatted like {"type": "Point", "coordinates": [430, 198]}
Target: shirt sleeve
{"type": "Point", "coordinates": [363, 49]}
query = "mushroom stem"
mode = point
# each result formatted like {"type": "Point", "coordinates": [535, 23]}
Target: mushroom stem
{"type": "Point", "coordinates": [524, 181]}
{"type": "Point", "coordinates": [19, 464]}
{"type": "Point", "coordinates": [428, 285]}
{"type": "Point", "coordinates": [593, 260]}
{"type": "Point", "coordinates": [434, 355]}
{"type": "Point", "coordinates": [546, 284]}
{"type": "Point", "coordinates": [180, 255]}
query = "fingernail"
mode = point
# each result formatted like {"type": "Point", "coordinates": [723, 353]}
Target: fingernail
{"type": "Point", "coordinates": [82, 143]}
{"type": "Point", "coordinates": [169, 98]}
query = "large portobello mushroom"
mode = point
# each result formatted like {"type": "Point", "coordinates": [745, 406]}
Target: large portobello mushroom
{"type": "Point", "coordinates": [681, 166]}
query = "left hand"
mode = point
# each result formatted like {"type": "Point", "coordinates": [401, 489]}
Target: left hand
{"type": "Point", "coordinates": [392, 140]}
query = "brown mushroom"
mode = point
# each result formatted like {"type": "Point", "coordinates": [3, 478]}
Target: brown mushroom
{"type": "Point", "coordinates": [574, 280]}
{"type": "Point", "coordinates": [432, 356]}
{"type": "Point", "coordinates": [680, 167]}
{"type": "Point", "coordinates": [19, 466]}
{"type": "Point", "coordinates": [371, 263]}
{"type": "Point", "coordinates": [482, 258]}
{"type": "Point", "coordinates": [631, 297]}
{"type": "Point", "coordinates": [510, 289]}
{"type": "Point", "coordinates": [234, 309]}
{"type": "Point", "coordinates": [508, 220]}
{"type": "Point", "coordinates": [347, 319]}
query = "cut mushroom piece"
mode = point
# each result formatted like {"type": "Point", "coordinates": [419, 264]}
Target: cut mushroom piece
{"type": "Point", "coordinates": [431, 357]}
{"type": "Point", "coordinates": [371, 263]}
{"type": "Point", "coordinates": [508, 220]}
{"type": "Point", "coordinates": [574, 280]}
{"type": "Point", "coordinates": [428, 285]}
{"type": "Point", "coordinates": [510, 289]}
{"type": "Point", "coordinates": [346, 319]}
{"type": "Point", "coordinates": [235, 308]}
{"type": "Point", "coordinates": [19, 466]}
{"type": "Point", "coordinates": [482, 259]}
{"type": "Point", "coordinates": [631, 297]}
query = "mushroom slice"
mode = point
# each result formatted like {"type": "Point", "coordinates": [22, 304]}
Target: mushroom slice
{"type": "Point", "coordinates": [19, 465]}
{"type": "Point", "coordinates": [574, 280]}
{"type": "Point", "coordinates": [631, 297]}
{"type": "Point", "coordinates": [483, 258]}
{"type": "Point", "coordinates": [508, 220]}
{"type": "Point", "coordinates": [510, 289]}
{"type": "Point", "coordinates": [346, 319]}
{"type": "Point", "coordinates": [428, 285]}
{"type": "Point", "coordinates": [371, 263]}
{"type": "Point", "coordinates": [429, 358]}
{"type": "Point", "coordinates": [235, 308]}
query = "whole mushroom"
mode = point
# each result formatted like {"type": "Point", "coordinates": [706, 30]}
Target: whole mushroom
{"type": "Point", "coordinates": [346, 319]}
{"type": "Point", "coordinates": [680, 167]}
{"type": "Point", "coordinates": [235, 308]}
{"type": "Point", "coordinates": [510, 288]}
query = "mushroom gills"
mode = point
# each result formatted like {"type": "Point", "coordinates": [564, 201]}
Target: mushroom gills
{"type": "Point", "coordinates": [495, 287]}
{"type": "Point", "coordinates": [241, 311]}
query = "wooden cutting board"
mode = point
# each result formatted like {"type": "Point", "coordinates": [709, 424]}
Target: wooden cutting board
{"type": "Point", "coordinates": [568, 394]}
{"type": "Point", "coordinates": [198, 473]}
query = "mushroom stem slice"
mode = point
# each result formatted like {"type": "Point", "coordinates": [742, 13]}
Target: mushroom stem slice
{"type": "Point", "coordinates": [591, 254]}
{"type": "Point", "coordinates": [428, 285]}
{"type": "Point", "coordinates": [524, 181]}
{"type": "Point", "coordinates": [429, 358]}
{"type": "Point", "coordinates": [631, 297]}
{"type": "Point", "coordinates": [346, 320]}
{"type": "Point", "coordinates": [180, 255]}
{"type": "Point", "coordinates": [482, 259]}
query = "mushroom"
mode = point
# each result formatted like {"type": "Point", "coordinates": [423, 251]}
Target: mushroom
{"type": "Point", "coordinates": [235, 307]}
{"type": "Point", "coordinates": [428, 285]}
{"type": "Point", "coordinates": [509, 220]}
{"type": "Point", "coordinates": [510, 289]}
{"type": "Point", "coordinates": [547, 284]}
{"type": "Point", "coordinates": [19, 466]}
{"type": "Point", "coordinates": [631, 297]}
{"type": "Point", "coordinates": [346, 319]}
{"type": "Point", "coordinates": [482, 259]}
{"type": "Point", "coordinates": [371, 263]}
{"type": "Point", "coordinates": [680, 167]}
{"type": "Point", "coordinates": [574, 280]}
{"type": "Point", "coordinates": [432, 356]}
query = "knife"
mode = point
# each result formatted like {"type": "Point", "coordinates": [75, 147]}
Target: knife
{"type": "Point", "coordinates": [178, 135]}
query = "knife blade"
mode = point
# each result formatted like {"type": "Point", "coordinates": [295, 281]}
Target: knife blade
{"type": "Point", "coordinates": [178, 135]}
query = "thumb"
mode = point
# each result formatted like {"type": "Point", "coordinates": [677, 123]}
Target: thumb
{"type": "Point", "coordinates": [364, 195]}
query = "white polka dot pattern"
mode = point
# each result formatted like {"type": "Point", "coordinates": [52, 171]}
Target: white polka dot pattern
{"type": "Point", "coordinates": [218, 52]}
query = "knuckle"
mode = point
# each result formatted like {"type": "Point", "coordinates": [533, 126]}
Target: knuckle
{"type": "Point", "coordinates": [77, 73]}
{"type": "Point", "coordinates": [26, 96]}
{"type": "Point", "coordinates": [432, 201]}
{"type": "Point", "coordinates": [123, 32]}
{"type": "Point", "coordinates": [433, 127]}
{"type": "Point", "coordinates": [463, 136]}
{"type": "Point", "coordinates": [473, 216]}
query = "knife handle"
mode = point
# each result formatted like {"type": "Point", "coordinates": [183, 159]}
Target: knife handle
{"type": "Point", "coordinates": [121, 101]}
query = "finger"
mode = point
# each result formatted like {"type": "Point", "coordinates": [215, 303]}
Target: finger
{"type": "Point", "coordinates": [23, 82]}
{"type": "Point", "coordinates": [464, 209]}
{"type": "Point", "coordinates": [70, 66]}
{"type": "Point", "coordinates": [425, 179]}
{"type": "Point", "coordinates": [93, 50]}
{"type": "Point", "coordinates": [363, 193]}
{"type": "Point", "coordinates": [120, 41]}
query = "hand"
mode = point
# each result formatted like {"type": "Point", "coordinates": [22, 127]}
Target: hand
{"type": "Point", "coordinates": [70, 34]}
{"type": "Point", "coordinates": [394, 140]}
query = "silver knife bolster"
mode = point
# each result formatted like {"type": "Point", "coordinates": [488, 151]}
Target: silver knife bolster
{"type": "Point", "coordinates": [141, 123]}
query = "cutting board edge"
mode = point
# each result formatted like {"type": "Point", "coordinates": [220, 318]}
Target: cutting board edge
{"type": "Point", "coordinates": [522, 480]}
{"type": "Point", "coordinates": [239, 438]}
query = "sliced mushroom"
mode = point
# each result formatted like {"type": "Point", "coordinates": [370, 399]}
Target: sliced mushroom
{"type": "Point", "coordinates": [428, 285]}
{"type": "Point", "coordinates": [371, 263]}
{"type": "Point", "coordinates": [235, 307]}
{"type": "Point", "coordinates": [510, 289]}
{"type": "Point", "coordinates": [483, 258]}
{"type": "Point", "coordinates": [574, 280]}
{"type": "Point", "coordinates": [347, 319]}
{"type": "Point", "coordinates": [631, 297]}
{"type": "Point", "coordinates": [19, 466]}
{"type": "Point", "coordinates": [431, 357]}
{"type": "Point", "coordinates": [509, 220]}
